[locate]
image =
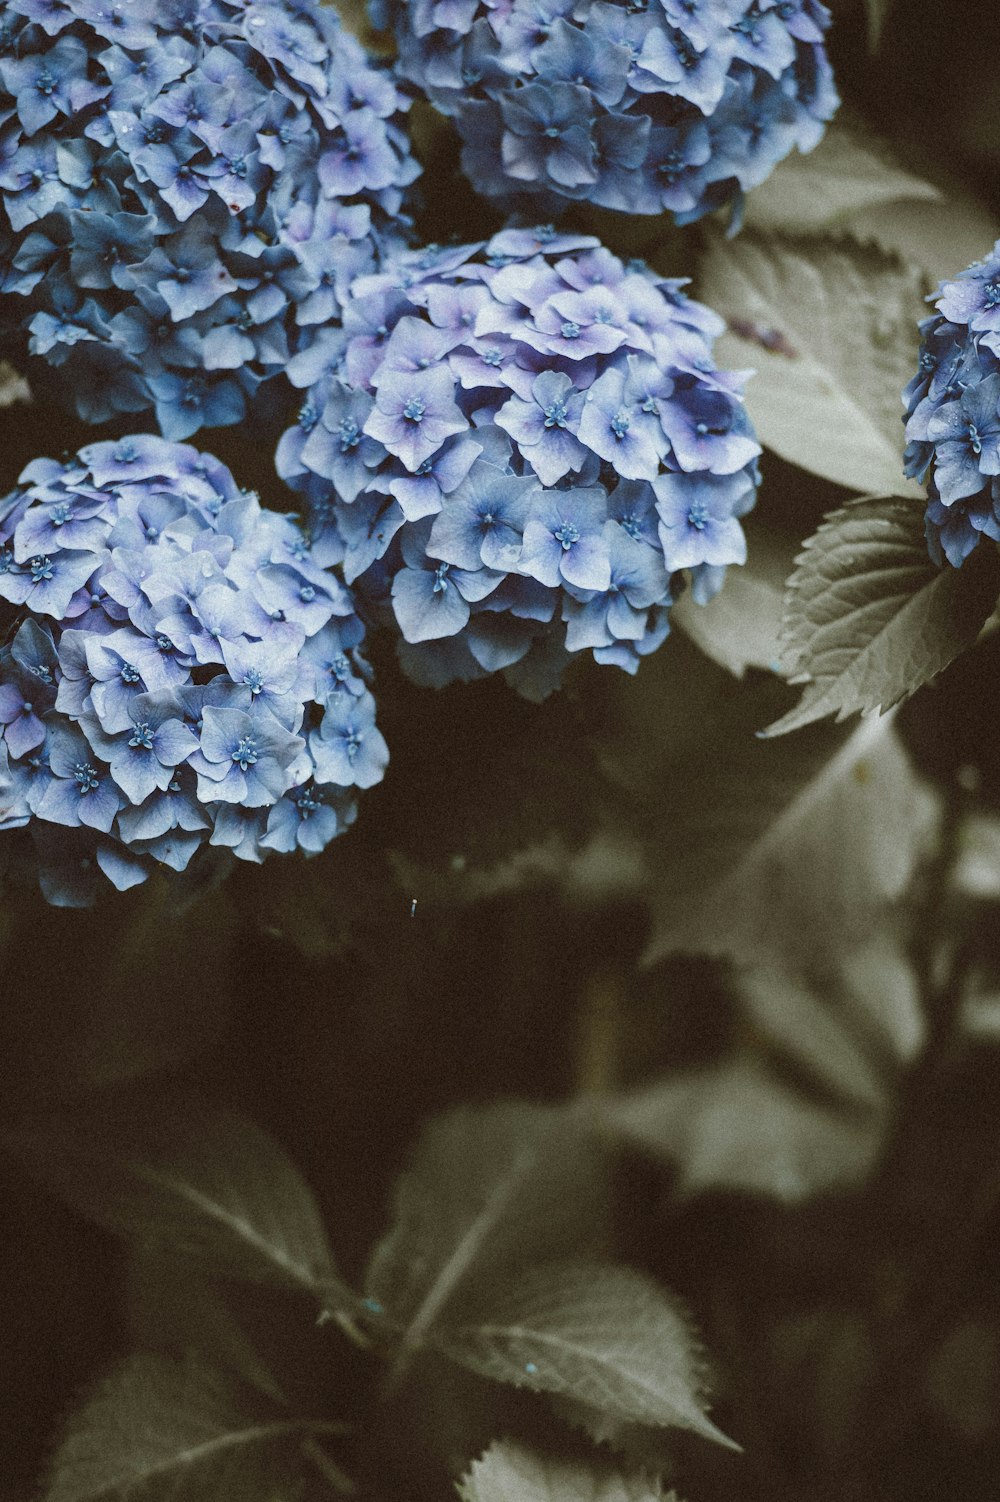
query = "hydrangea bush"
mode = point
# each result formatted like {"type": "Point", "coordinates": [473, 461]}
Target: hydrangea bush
{"type": "Point", "coordinates": [180, 669]}
{"type": "Point", "coordinates": [645, 107]}
{"type": "Point", "coordinates": [953, 413]}
{"type": "Point", "coordinates": [183, 185]}
{"type": "Point", "coordinates": [526, 445]}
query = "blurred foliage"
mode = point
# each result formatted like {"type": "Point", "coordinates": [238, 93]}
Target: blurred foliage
{"type": "Point", "coordinates": [390, 1239]}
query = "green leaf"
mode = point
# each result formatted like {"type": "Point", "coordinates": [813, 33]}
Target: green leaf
{"type": "Point", "coordinates": [757, 848]}
{"type": "Point", "coordinates": [489, 1192]}
{"type": "Point", "coordinates": [178, 1431]}
{"type": "Point", "coordinates": [831, 331]}
{"type": "Point", "coordinates": [870, 618]}
{"type": "Point", "coordinates": [737, 1126]}
{"type": "Point", "coordinates": [197, 1181]}
{"type": "Point", "coordinates": [510, 1473]}
{"type": "Point", "coordinates": [847, 173]}
{"type": "Point", "coordinates": [603, 1335]}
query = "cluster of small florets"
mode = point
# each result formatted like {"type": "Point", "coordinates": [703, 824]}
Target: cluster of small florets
{"type": "Point", "coordinates": [523, 447]}
{"type": "Point", "coordinates": [953, 413]}
{"type": "Point", "coordinates": [183, 184]}
{"type": "Point", "coordinates": [649, 106]}
{"type": "Point", "coordinates": [179, 668]}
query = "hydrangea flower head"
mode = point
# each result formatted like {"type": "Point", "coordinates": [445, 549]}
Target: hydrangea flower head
{"type": "Point", "coordinates": [953, 413]}
{"type": "Point", "coordinates": [522, 451]}
{"type": "Point", "coordinates": [179, 669]}
{"type": "Point", "coordinates": [182, 187]}
{"type": "Point", "coordinates": [646, 107]}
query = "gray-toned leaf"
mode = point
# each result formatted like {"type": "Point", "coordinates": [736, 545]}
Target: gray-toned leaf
{"type": "Point", "coordinates": [830, 329]}
{"type": "Point", "coordinates": [941, 237]}
{"type": "Point", "coordinates": [977, 869]}
{"type": "Point", "coordinates": [174, 1309]}
{"type": "Point", "coordinates": [490, 1191]}
{"type": "Point", "coordinates": [869, 618]}
{"type": "Point", "coordinates": [641, 1447]}
{"type": "Point", "coordinates": [847, 173]}
{"type": "Point", "coordinates": [754, 855]}
{"type": "Point", "coordinates": [740, 627]}
{"type": "Point", "coordinates": [738, 1126]}
{"type": "Point", "coordinates": [13, 387]}
{"type": "Point", "coordinates": [194, 1180]}
{"type": "Point", "coordinates": [161, 1429]}
{"type": "Point", "coordinates": [848, 1029]}
{"type": "Point", "coordinates": [510, 1473]}
{"type": "Point", "coordinates": [603, 1335]}
{"type": "Point", "coordinates": [878, 14]}
{"type": "Point", "coordinates": [792, 1020]}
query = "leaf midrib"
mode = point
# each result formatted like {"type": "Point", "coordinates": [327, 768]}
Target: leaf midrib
{"type": "Point", "coordinates": [197, 1454]}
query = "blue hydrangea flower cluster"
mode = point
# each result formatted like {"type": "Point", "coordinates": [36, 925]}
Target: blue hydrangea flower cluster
{"type": "Point", "coordinates": [184, 184]}
{"type": "Point", "coordinates": [523, 447]}
{"type": "Point", "coordinates": [953, 413]}
{"type": "Point", "coordinates": [653, 105]}
{"type": "Point", "coordinates": [179, 669]}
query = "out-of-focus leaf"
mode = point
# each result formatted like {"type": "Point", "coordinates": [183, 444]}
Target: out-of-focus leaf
{"type": "Point", "coordinates": [802, 1103]}
{"type": "Point", "coordinates": [878, 14]}
{"type": "Point", "coordinates": [963, 1378]}
{"type": "Point", "coordinates": [605, 866]}
{"type": "Point", "coordinates": [790, 1018]}
{"type": "Point", "coordinates": [869, 618]}
{"type": "Point", "coordinates": [847, 173]}
{"type": "Point", "coordinates": [879, 992]}
{"type": "Point", "coordinates": [977, 867]}
{"type": "Point", "coordinates": [752, 854]}
{"type": "Point", "coordinates": [510, 1473]}
{"type": "Point", "coordinates": [603, 1335]}
{"type": "Point", "coordinates": [13, 387]}
{"type": "Point", "coordinates": [197, 1181]}
{"type": "Point", "coordinates": [489, 1192]}
{"type": "Point", "coordinates": [831, 330]}
{"type": "Point", "coordinates": [153, 999]}
{"type": "Point", "coordinates": [941, 237]}
{"type": "Point", "coordinates": [737, 1126]}
{"type": "Point", "coordinates": [171, 1431]}
{"type": "Point", "coordinates": [740, 627]}
{"type": "Point", "coordinates": [174, 1310]}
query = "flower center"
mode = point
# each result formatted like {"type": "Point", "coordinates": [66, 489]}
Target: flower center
{"type": "Point", "coordinates": [567, 535]}
{"type": "Point", "coordinates": [414, 410]}
{"type": "Point", "coordinates": [142, 737]}
{"type": "Point", "coordinates": [86, 778]}
{"type": "Point", "coordinates": [555, 415]}
{"type": "Point", "coordinates": [245, 754]}
{"type": "Point", "coordinates": [307, 802]}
